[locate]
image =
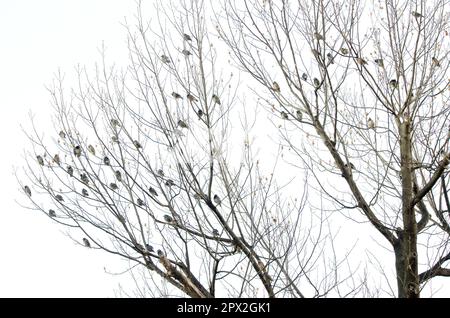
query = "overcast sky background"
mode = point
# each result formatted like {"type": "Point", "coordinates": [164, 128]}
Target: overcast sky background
{"type": "Point", "coordinates": [37, 38]}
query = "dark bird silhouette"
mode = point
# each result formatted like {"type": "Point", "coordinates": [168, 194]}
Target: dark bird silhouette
{"type": "Point", "coordinates": [186, 52]}
{"type": "Point", "coordinates": [200, 113]}
{"type": "Point", "coordinates": [84, 178]}
{"type": "Point", "coordinates": [70, 171]}
{"type": "Point", "coordinates": [316, 82]}
{"type": "Point", "coordinates": [85, 193]}
{"type": "Point", "coordinates": [182, 124]}
{"type": "Point", "coordinates": [137, 144]}
{"type": "Point", "coordinates": [140, 202]}
{"type": "Point", "coordinates": [160, 253]}
{"type": "Point", "coordinates": [169, 183]}
{"type": "Point", "coordinates": [115, 123]}
{"type": "Point", "coordinates": [343, 51]}
{"type": "Point", "coordinates": [304, 76]}
{"type": "Point", "coordinates": [77, 151]}
{"type": "Point", "coordinates": [86, 242]}
{"type": "Point", "coordinates": [370, 123]}
{"type": "Point", "coordinates": [168, 218]}
{"type": "Point", "coordinates": [435, 62]}
{"type": "Point", "coordinates": [176, 95]}
{"type": "Point", "coordinates": [416, 14]}
{"type": "Point", "coordinates": [276, 87]}
{"type": "Point", "coordinates": [106, 161]}
{"type": "Point", "coordinates": [59, 198]}
{"type": "Point", "coordinates": [27, 190]}
{"type": "Point", "coordinates": [152, 191]}
{"type": "Point", "coordinates": [118, 176]}
{"type": "Point", "coordinates": [216, 99]}
{"type": "Point", "coordinates": [361, 61]}
{"type": "Point", "coordinates": [299, 114]}
{"type": "Point", "coordinates": [217, 200]}
{"type": "Point", "coordinates": [379, 62]}
{"type": "Point", "coordinates": [149, 248]}
{"type": "Point", "coordinates": [165, 59]}
{"type": "Point", "coordinates": [160, 172]}
{"type": "Point", "coordinates": [187, 37]}
{"type": "Point", "coordinates": [284, 115]}
{"type": "Point", "coordinates": [62, 134]}
{"type": "Point", "coordinates": [393, 83]}
{"type": "Point", "coordinates": [215, 232]}
{"type": "Point", "coordinates": [318, 36]}
{"type": "Point", "coordinates": [91, 149]}
{"type": "Point", "coordinates": [191, 98]}
{"type": "Point", "coordinates": [56, 159]}
{"type": "Point", "coordinates": [40, 160]}
{"type": "Point", "coordinates": [330, 58]}
{"type": "Point", "coordinates": [51, 213]}
{"type": "Point", "coordinates": [113, 186]}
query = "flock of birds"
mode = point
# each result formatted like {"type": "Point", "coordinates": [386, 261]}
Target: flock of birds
{"type": "Point", "coordinates": [393, 83]}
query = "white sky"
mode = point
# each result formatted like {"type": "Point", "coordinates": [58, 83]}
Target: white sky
{"type": "Point", "coordinates": [37, 37]}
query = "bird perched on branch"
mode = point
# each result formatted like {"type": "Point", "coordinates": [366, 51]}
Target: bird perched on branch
{"type": "Point", "coordinates": [176, 95]}
{"type": "Point", "coordinates": [393, 83]}
{"type": "Point", "coordinates": [191, 98]}
{"type": "Point", "coordinates": [86, 242]}
{"type": "Point", "coordinates": [186, 52]}
{"type": "Point", "coordinates": [62, 134]}
{"type": "Point", "coordinates": [106, 161]}
{"type": "Point", "coordinates": [316, 82]}
{"type": "Point", "coordinates": [85, 193]}
{"type": "Point", "coordinates": [299, 115]}
{"type": "Point", "coordinates": [379, 62]}
{"type": "Point", "coordinates": [360, 61]}
{"type": "Point", "coordinates": [152, 191]}
{"type": "Point", "coordinates": [217, 200]}
{"type": "Point", "coordinates": [56, 159]}
{"type": "Point", "coordinates": [370, 123]}
{"type": "Point", "coordinates": [140, 202]}
{"type": "Point", "coordinates": [330, 58]}
{"type": "Point", "coordinates": [70, 171]}
{"type": "Point", "coordinates": [165, 59]}
{"type": "Point", "coordinates": [149, 248]}
{"type": "Point", "coordinates": [216, 99]}
{"type": "Point", "coordinates": [51, 213]}
{"type": "Point", "coordinates": [113, 186]}
{"type": "Point", "coordinates": [436, 62]}
{"type": "Point", "coordinates": [27, 190]}
{"type": "Point", "coordinates": [343, 51]}
{"type": "Point", "coordinates": [318, 36]}
{"type": "Point", "coordinates": [215, 233]}
{"type": "Point", "coordinates": [84, 178]}
{"type": "Point", "coordinates": [40, 160]}
{"type": "Point", "coordinates": [118, 176]}
{"type": "Point", "coordinates": [160, 253]}
{"type": "Point", "coordinates": [200, 113]}
{"type": "Point", "coordinates": [115, 123]}
{"type": "Point", "coordinates": [187, 37]}
{"type": "Point", "coordinates": [416, 14]}
{"type": "Point", "coordinates": [160, 172]}
{"type": "Point", "coordinates": [304, 77]}
{"type": "Point", "coordinates": [59, 198]}
{"type": "Point", "coordinates": [77, 151]}
{"type": "Point", "coordinates": [91, 149]}
{"type": "Point", "coordinates": [137, 144]}
{"type": "Point", "coordinates": [169, 183]}
{"type": "Point", "coordinates": [182, 124]}
{"type": "Point", "coordinates": [284, 115]}
{"type": "Point", "coordinates": [276, 87]}
{"type": "Point", "coordinates": [168, 218]}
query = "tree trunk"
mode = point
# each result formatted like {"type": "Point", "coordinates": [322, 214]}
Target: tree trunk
{"type": "Point", "coordinates": [406, 247]}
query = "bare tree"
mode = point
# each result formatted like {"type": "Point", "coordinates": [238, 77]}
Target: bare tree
{"type": "Point", "coordinates": [367, 84]}
{"type": "Point", "coordinates": [153, 163]}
